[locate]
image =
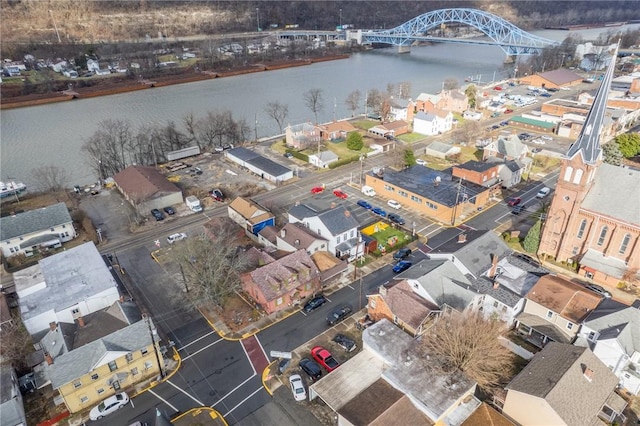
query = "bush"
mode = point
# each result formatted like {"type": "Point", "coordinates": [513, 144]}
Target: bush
{"type": "Point", "coordinates": [299, 155]}
{"type": "Point", "coordinates": [506, 236]}
{"type": "Point", "coordinates": [342, 162]}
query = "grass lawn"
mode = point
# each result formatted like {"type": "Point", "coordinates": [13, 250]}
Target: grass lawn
{"type": "Point", "coordinates": [411, 137]}
{"type": "Point", "coordinates": [365, 124]}
{"type": "Point", "coordinates": [383, 237]}
{"type": "Point", "coordinates": [279, 146]}
{"type": "Point", "coordinates": [542, 164]}
{"type": "Point", "coordinates": [467, 153]}
{"type": "Point", "coordinates": [341, 150]}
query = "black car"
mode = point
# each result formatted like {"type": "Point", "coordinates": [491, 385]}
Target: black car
{"type": "Point", "coordinates": [157, 214]}
{"type": "Point", "coordinates": [344, 342]}
{"type": "Point", "coordinates": [314, 303]}
{"type": "Point", "coordinates": [169, 210]}
{"type": "Point", "coordinates": [402, 254]}
{"type": "Point", "coordinates": [395, 218]}
{"type": "Point", "coordinates": [518, 209]}
{"type": "Point", "coordinates": [311, 368]}
{"type": "Point", "coordinates": [339, 314]}
{"type": "Point", "coordinates": [288, 155]}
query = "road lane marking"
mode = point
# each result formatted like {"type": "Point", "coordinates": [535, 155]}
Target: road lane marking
{"type": "Point", "coordinates": [232, 391]}
{"type": "Point", "coordinates": [243, 401]}
{"type": "Point", "coordinates": [248, 358]}
{"type": "Point", "coordinates": [185, 392]}
{"type": "Point", "coordinates": [163, 400]}
{"type": "Point", "coordinates": [200, 350]}
{"type": "Point", "coordinates": [197, 340]}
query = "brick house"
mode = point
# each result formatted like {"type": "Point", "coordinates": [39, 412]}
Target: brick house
{"type": "Point", "coordinates": [301, 136]}
{"type": "Point", "coordinates": [336, 130]}
{"type": "Point", "coordinates": [485, 174]}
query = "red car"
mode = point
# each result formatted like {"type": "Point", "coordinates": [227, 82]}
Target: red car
{"type": "Point", "coordinates": [317, 189]}
{"type": "Point", "coordinates": [340, 194]}
{"type": "Point", "coordinates": [497, 88]}
{"type": "Point", "coordinates": [508, 111]}
{"type": "Point", "coordinates": [514, 201]}
{"type": "Point", "coordinates": [324, 358]}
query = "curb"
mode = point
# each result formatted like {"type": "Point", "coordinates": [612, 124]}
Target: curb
{"type": "Point", "coordinates": [214, 414]}
{"type": "Point", "coordinates": [165, 378]}
{"type": "Point", "coordinates": [233, 337]}
{"type": "Point", "coordinates": [265, 377]}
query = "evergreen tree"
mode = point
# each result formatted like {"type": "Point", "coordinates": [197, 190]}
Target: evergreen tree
{"type": "Point", "coordinates": [354, 141]}
{"type": "Point", "coordinates": [611, 154]}
{"type": "Point", "coordinates": [629, 144]}
{"type": "Point", "coordinates": [470, 92]}
{"type": "Point", "coordinates": [532, 240]}
{"type": "Point", "coordinates": [409, 158]}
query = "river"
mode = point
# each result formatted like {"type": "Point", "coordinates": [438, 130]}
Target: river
{"type": "Point", "coordinates": [53, 134]}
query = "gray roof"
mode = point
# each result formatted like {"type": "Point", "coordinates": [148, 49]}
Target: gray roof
{"type": "Point", "coordinates": [510, 146]}
{"type": "Point", "coordinates": [6, 385]}
{"type": "Point", "coordinates": [513, 165]}
{"type": "Point", "coordinates": [338, 220]}
{"type": "Point", "coordinates": [82, 360]}
{"type": "Point", "coordinates": [421, 115]}
{"type": "Point", "coordinates": [302, 211]}
{"type": "Point", "coordinates": [446, 284]}
{"type": "Point", "coordinates": [34, 221]}
{"type": "Point", "coordinates": [442, 147]}
{"type": "Point", "coordinates": [71, 276]}
{"type": "Point", "coordinates": [622, 325]}
{"type": "Point", "coordinates": [588, 142]}
{"type": "Point", "coordinates": [476, 166]}
{"type": "Point", "coordinates": [268, 166]}
{"type": "Point", "coordinates": [557, 374]}
{"type": "Point", "coordinates": [424, 181]}
{"type": "Point", "coordinates": [325, 156]}
{"type": "Point", "coordinates": [616, 204]}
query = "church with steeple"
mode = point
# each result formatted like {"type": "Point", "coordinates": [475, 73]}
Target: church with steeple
{"type": "Point", "coordinates": [594, 216]}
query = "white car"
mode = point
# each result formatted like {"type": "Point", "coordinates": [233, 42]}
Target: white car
{"type": "Point", "coordinates": [176, 237]}
{"type": "Point", "coordinates": [539, 142]}
{"type": "Point", "coordinates": [421, 162]}
{"type": "Point", "coordinates": [394, 204]}
{"type": "Point", "coordinates": [297, 387]}
{"type": "Point", "coordinates": [546, 137]}
{"type": "Point", "coordinates": [109, 405]}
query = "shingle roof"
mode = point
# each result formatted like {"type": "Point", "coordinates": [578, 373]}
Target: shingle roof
{"type": "Point", "coordinates": [425, 116]}
{"type": "Point", "coordinates": [567, 299]}
{"type": "Point", "coordinates": [442, 147]}
{"type": "Point", "coordinates": [285, 274]}
{"type": "Point", "coordinates": [369, 404]}
{"type": "Point", "coordinates": [250, 210]}
{"type": "Point", "coordinates": [33, 221]}
{"type": "Point", "coordinates": [446, 284]}
{"type": "Point", "coordinates": [142, 183]}
{"type": "Point", "coordinates": [82, 360]}
{"type": "Point", "coordinates": [557, 374]}
{"type": "Point", "coordinates": [298, 235]}
{"type": "Point", "coordinates": [407, 305]}
{"type": "Point", "coordinates": [338, 220]}
{"type": "Point", "coordinates": [622, 325]}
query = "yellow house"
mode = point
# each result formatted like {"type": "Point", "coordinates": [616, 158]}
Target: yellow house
{"type": "Point", "coordinates": [87, 375]}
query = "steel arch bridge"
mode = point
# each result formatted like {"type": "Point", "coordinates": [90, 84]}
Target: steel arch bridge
{"type": "Point", "coordinates": [511, 39]}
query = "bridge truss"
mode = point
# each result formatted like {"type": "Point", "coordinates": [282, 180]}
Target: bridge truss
{"type": "Point", "coordinates": [511, 39]}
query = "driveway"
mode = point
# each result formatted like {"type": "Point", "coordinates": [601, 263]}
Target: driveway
{"type": "Point", "coordinates": [110, 213]}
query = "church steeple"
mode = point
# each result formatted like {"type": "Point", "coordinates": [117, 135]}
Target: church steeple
{"type": "Point", "coordinates": [588, 142]}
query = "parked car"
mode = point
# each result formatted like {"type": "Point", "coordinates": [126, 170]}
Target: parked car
{"type": "Point", "coordinates": [401, 254]}
{"type": "Point", "coordinates": [545, 95]}
{"type": "Point", "coordinates": [176, 237]}
{"type": "Point", "coordinates": [297, 387]}
{"type": "Point", "coordinates": [395, 218]}
{"type": "Point", "coordinates": [394, 204]}
{"type": "Point", "coordinates": [518, 209]}
{"type": "Point", "coordinates": [324, 358]}
{"type": "Point", "coordinates": [497, 88]}
{"type": "Point", "coordinates": [157, 214]}
{"type": "Point", "coordinates": [543, 192]}
{"type": "Point", "coordinates": [169, 210]}
{"type": "Point", "coordinates": [421, 162]}
{"type": "Point", "coordinates": [109, 405]}
{"type": "Point", "coordinates": [310, 368]}
{"type": "Point", "coordinates": [288, 155]}
{"type": "Point", "coordinates": [344, 342]}
{"type": "Point", "coordinates": [512, 202]}
{"type": "Point", "coordinates": [216, 194]}
{"type": "Point", "coordinates": [536, 150]}
{"type": "Point", "coordinates": [317, 189]}
{"type": "Point", "coordinates": [227, 146]}
{"type": "Point", "coordinates": [340, 194]}
{"type": "Point", "coordinates": [379, 211]}
{"type": "Point", "coordinates": [508, 111]}
{"type": "Point", "coordinates": [364, 204]}
{"type": "Point", "coordinates": [402, 266]}
{"type": "Point", "coordinates": [218, 149]}
{"type": "Point", "coordinates": [314, 303]}
{"type": "Point", "coordinates": [547, 137]}
{"type": "Point", "coordinates": [339, 314]}
{"type": "Point", "coordinates": [504, 123]}
{"type": "Point", "coordinates": [598, 289]}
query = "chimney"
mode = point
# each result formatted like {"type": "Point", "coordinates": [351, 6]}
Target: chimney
{"type": "Point", "coordinates": [80, 322]}
{"type": "Point", "coordinates": [53, 326]}
{"type": "Point", "coordinates": [347, 213]}
{"type": "Point", "coordinates": [496, 284]}
{"type": "Point", "coordinates": [283, 233]}
{"type": "Point", "coordinates": [121, 299]}
{"type": "Point", "coordinates": [382, 290]}
{"type": "Point", "coordinates": [588, 373]}
{"type": "Point", "coordinates": [462, 238]}
{"type": "Point", "coordinates": [494, 266]}
{"type": "Point", "coordinates": [48, 358]}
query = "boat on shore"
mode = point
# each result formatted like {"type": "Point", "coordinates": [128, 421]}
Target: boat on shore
{"type": "Point", "coordinates": [11, 188]}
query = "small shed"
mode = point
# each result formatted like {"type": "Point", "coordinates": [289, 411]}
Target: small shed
{"type": "Point", "coordinates": [323, 159]}
{"type": "Point", "coordinates": [441, 150]}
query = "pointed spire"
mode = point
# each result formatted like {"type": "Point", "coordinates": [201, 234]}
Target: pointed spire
{"type": "Point", "coordinates": [588, 142]}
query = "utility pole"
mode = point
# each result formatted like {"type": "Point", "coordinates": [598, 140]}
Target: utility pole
{"type": "Point", "coordinates": [455, 207]}
{"type": "Point", "coordinates": [184, 278]}
{"type": "Point", "coordinates": [255, 126]}
{"type": "Point", "coordinates": [155, 348]}
{"type": "Point", "coordinates": [258, 17]}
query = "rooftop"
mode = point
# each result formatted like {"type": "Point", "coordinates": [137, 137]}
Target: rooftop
{"type": "Point", "coordinates": [34, 221]}
{"type": "Point", "coordinates": [257, 160]}
{"type": "Point", "coordinates": [142, 183]}
{"type": "Point", "coordinates": [406, 304]}
{"type": "Point", "coordinates": [568, 299]}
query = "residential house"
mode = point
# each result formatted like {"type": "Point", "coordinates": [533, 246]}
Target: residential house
{"type": "Point", "coordinates": [146, 188]}
{"type": "Point", "coordinates": [485, 415]}
{"type": "Point", "coordinates": [510, 171]}
{"type": "Point", "coordinates": [441, 150]}
{"type": "Point", "coordinates": [329, 266]}
{"type": "Point", "coordinates": [478, 172]}
{"type": "Point", "coordinates": [34, 230]}
{"type": "Point", "coordinates": [433, 123]}
{"type": "Point", "coordinates": [434, 193]}
{"type": "Point", "coordinates": [563, 385]}
{"type": "Point", "coordinates": [391, 129]}
{"type": "Point", "coordinates": [336, 225]}
{"type": "Point", "coordinates": [554, 309]}
{"type": "Point", "coordinates": [506, 148]}
{"type": "Point", "coordinates": [296, 236]}
{"type": "Point", "coordinates": [322, 159]}
{"type": "Point", "coordinates": [64, 287]}
{"type": "Point", "coordinates": [427, 102]}
{"type": "Point", "coordinates": [447, 100]}
{"type": "Point", "coordinates": [391, 382]}
{"type": "Point", "coordinates": [592, 218]}
{"type": "Point", "coordinates": [92, 372]}
{"type": "Point", "coordinates": [336, 130]}
{"type": "Point", "coordinates": [554, 79]}
{"type": "Point", "coordinates": [11, 405]}
{"type": "Point", "coordinates": [612, 332]}
{"type": "Point", "coordinates": [283, 282]}
{"type": "Point", "coordinates": [402, 305]}
{"type": "Point", "coordinates": [303, 136]}
{"type": "Point", "coordinates": [262, 166]}
{"type": "Point", "coordinates": [402, 109]}
{"type": "Point", "coordinates": [251, 216]}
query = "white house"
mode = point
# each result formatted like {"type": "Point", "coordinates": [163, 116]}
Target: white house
{"type": "Point", "coordinates": [323, 159]}
{"type": "Point", "coordinates": [337, 225]}
{"type": "Point", "coordinates": [612, 332]}
{"type": "Point", "coordinates": [35, 230]}
{"type": "Point", "coordinates": [64, 287]}
{"type": "Point", "coordinates": [434, 123]}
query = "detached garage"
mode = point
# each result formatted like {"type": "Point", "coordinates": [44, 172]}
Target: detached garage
{"type": "Point", "coordinates": [262, 166]}
{"type": "Point", "coordinates": [146, 189]}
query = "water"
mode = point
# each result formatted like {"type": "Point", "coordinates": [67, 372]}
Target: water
{"type": "Point", "coordinates": [54, 134]}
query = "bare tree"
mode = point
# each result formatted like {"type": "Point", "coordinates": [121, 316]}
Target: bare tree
{"type": "Point", "coordinates": [469, 343]}
{"type": "Point", "coordinates": [468, 131]}
{"type": "Point", "coordinates": [353, 101]}
{"type": "Point", "coordinates": [190, 125]}
{"type": "Point", "coordinates": [50, 178]}
{"type": "Point", "coordinates": [404, 90]}
{"type": "Point", "coordinates": [279, 112]}
{"type": "Point", "coordinates": [374, 100]}
{"type": "Point", "coordinates": [16, 343]}
{"type": "Point", "coordinates": [212, 264]}
{"type": "Point", "coordinates": [107, 147]}
{"type": "Point", "coordinates": [314, 100]}
{"type": "Point", "coordinates": [450, 84]}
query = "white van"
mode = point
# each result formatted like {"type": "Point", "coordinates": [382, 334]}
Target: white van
{"type": "Point", "coordinates": [367, 190]}
{"type": "Point", "coordinates": [543, 192]}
